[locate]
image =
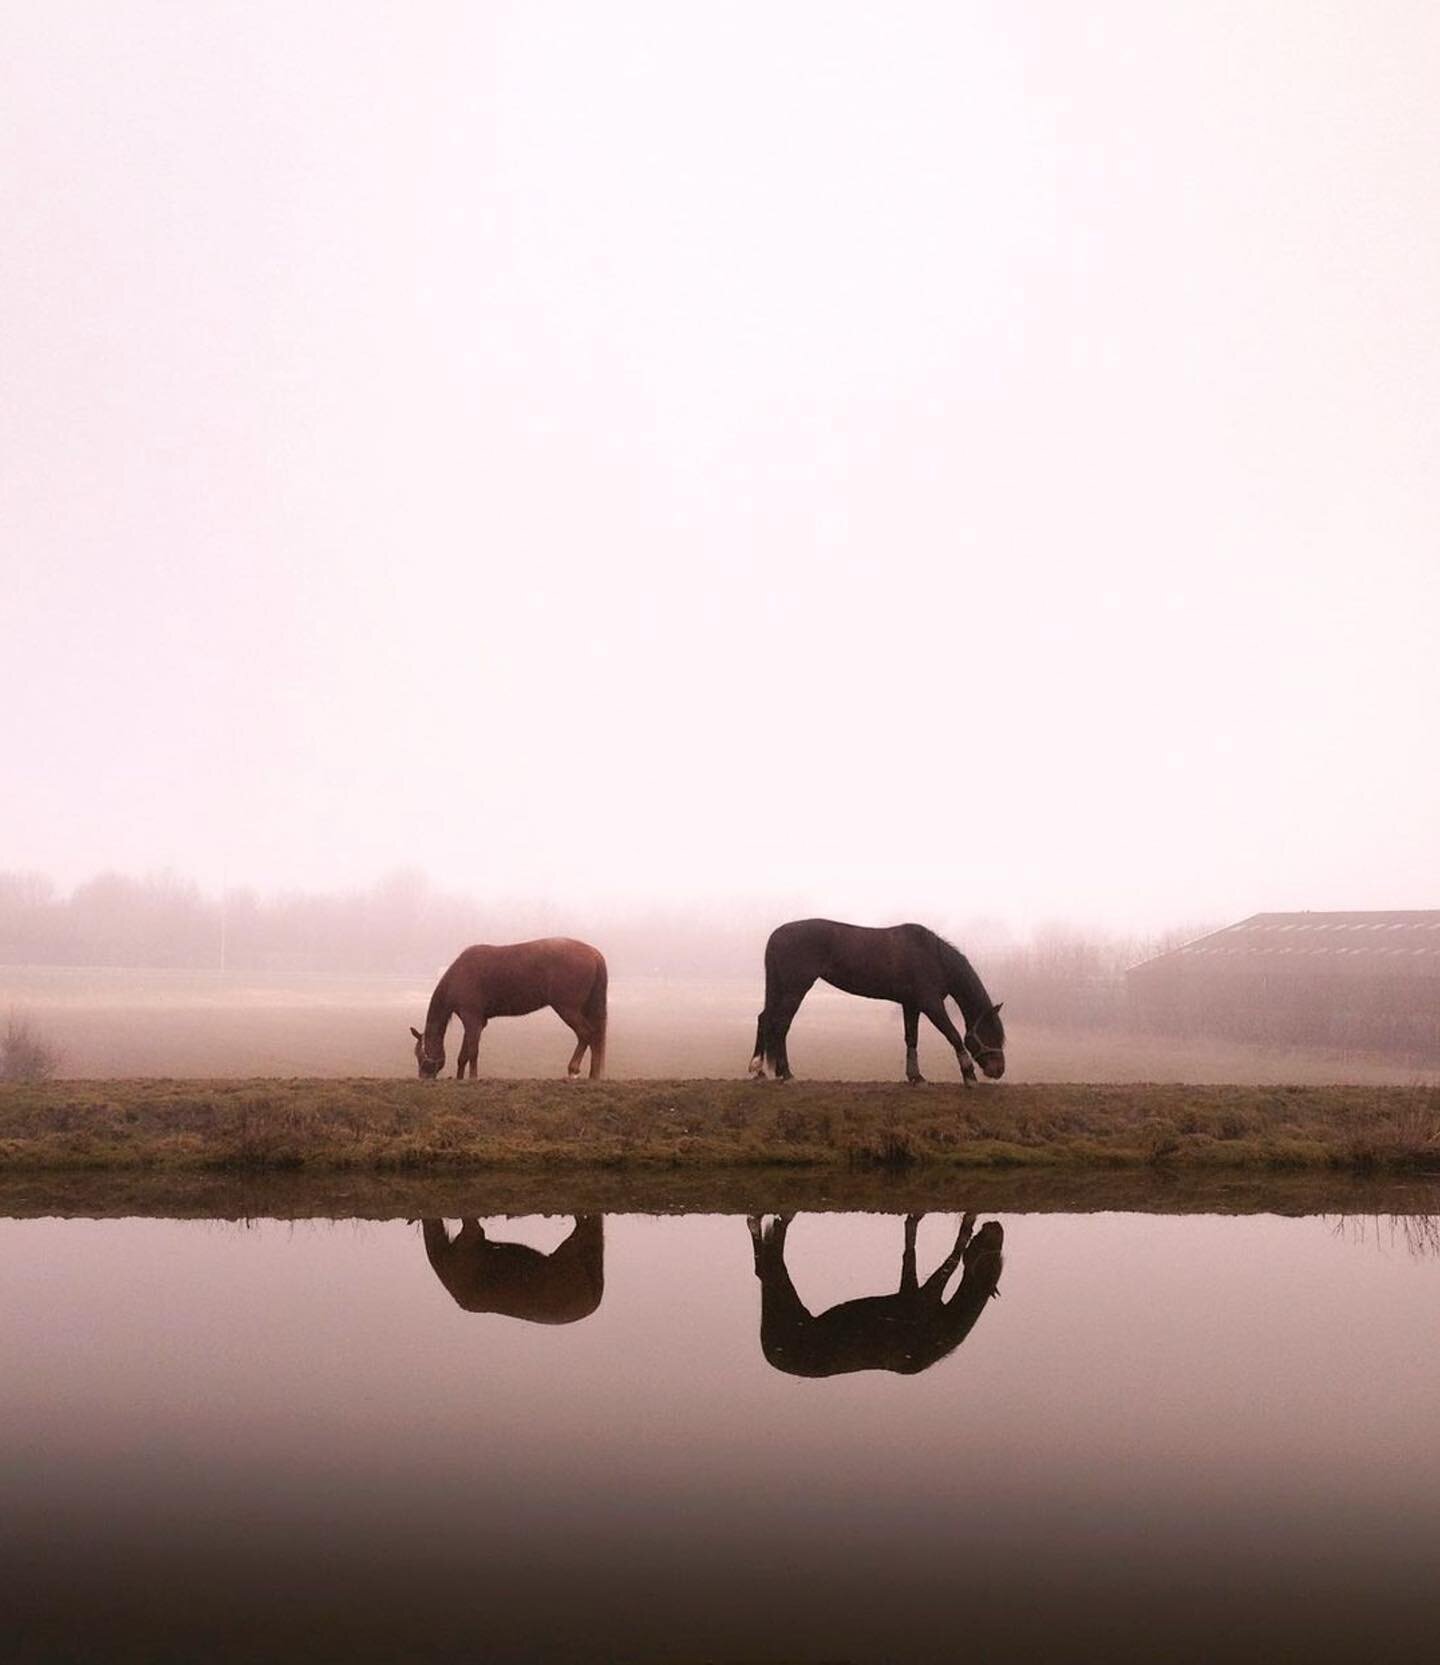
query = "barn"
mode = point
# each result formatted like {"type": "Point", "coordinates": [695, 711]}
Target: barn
{"type": "Point", "coordinates": [1367, 982]}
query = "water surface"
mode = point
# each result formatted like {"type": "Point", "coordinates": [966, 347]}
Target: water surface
{"type": "Point", "coordinates": [1201, 1437]}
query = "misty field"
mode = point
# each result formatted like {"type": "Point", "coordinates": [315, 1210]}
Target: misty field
{"type": "Point", "coordinates": [179, 1072]}
{"type": "Point", "coordinates": [116, 1025]}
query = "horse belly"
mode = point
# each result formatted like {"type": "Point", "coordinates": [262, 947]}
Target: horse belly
{"type": "Point", "coordinates": [869, 987]}
{"type": "Point", "coordinates": [515, 1002]}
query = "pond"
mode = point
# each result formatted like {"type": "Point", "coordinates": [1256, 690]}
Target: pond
{"type": "Point", "coordinates": [675, 1438]}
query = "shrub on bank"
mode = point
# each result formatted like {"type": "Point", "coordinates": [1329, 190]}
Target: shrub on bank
{"type": "Point", "coordinates": [25, 1055]}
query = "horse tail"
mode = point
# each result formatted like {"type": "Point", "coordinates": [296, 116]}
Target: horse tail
{"type": "Point", "coordinates": [597, 1014]}
{"type": "Point", "coordinates": [764, 1025]}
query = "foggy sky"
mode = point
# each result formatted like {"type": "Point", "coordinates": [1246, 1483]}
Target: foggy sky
{"type": "Point", "coordinates": [927, 459]}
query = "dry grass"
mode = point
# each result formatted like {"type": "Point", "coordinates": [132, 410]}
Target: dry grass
{"type": "Point", "coordinates": [388, 1126]}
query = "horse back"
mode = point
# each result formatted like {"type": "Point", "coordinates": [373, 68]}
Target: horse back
{"type": "Point", "coordinates": [516, 1281]}
{"type": "Point", "coordinates": [512, 979]}
{"type": "Point", "coordinates": [875, 1332]}
{"type": "Point", "coordinates": [889, 962]}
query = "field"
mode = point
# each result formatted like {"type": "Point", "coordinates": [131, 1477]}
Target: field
{"type": "Point", "coordinates": [118, 1025]}
{"type": "Point", "coordinates": [180, 1086]}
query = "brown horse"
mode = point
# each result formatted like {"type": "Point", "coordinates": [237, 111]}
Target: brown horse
{"type": "Point", "coordinates": [904, 963]}
{"type": "Point", "coordinates": [511, 981]}
{"type": "Point", "coordinates": [516, 1280]}
{"type": "Point", "coordinates": [906, 1332]}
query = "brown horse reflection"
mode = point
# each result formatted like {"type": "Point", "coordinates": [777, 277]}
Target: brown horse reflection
{"type": "Point", "coordinates": [516, 1280]}
{"type": "Point", "coordinates": [905, 1332]}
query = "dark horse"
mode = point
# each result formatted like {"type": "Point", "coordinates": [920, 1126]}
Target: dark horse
{"type": "Point", "coordinates": [906, 963]}
{"type": "Point", "coordinates": [510, 981]}
{"type": "Point", "coordinates": [906, 1332]}
{"type": "Point", "coordinates": [516, 1280]}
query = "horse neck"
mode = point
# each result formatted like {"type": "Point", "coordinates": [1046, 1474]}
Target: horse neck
{"type": "Point", "coordinates": [437, 1019]}
{"type": "Point", "coordinates": [965, 987]}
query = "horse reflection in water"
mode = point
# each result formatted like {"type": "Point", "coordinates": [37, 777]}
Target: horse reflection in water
{"type": "Point", "coordinates": [905, 1332]}
{"type": "Point", "coordinates": [517, 1281]}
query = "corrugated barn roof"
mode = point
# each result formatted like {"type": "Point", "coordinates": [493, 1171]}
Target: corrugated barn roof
{"type": "Point", "coordinates": [1365, 944]}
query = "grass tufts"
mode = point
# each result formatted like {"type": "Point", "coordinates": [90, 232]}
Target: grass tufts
{"type": "Point", "coordinates": [454, 1126]}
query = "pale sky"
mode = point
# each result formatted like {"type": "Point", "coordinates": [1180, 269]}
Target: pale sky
{"type": "Point", "coordinates": [929, 459]}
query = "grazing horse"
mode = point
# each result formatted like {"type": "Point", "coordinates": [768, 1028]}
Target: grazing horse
{"type": "Point", "coordinates": [906, 1332]}
{"type": "Point", "coordinates": [511, 981]}
{"type": "Point", "coordinates": [516, 1280]}
{"type": "Point", "coordinates": [905, 963]}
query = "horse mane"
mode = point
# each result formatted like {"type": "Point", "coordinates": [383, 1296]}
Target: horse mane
{"type": "Point", "coordinates": [950, 956]}
{"type": "Point", "coordinates": [963, 978]}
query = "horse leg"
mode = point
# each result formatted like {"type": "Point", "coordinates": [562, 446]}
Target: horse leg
{"type": "Point", "coordinates": [786, 985]}
{"type": "Point", "coordinates": [784, 1319]}
{"type": "Point", "coordinates": [769, 1242]}
{"type": "Point", "coordinates": [572, 1069]}
{"type": "Point", "coordinates": [941, 1019]}
{"type": "Point", "coordinates": [912, 1043]}
{"type": "Point", "coordinates": [778, 1018]}
{"type": "Point", "coordinates": [576, 1020]}
{"type": "Point", "coordinates": [469, 1047]}
{"type": "Point", "coordinates": [935, 1283]}
{"type": "Point", "coordinates": [908, 1281]}
{"type": "Point", "coordinates": [757, 1058]}
{"type": "Point", "coordinates": [597, 1049]}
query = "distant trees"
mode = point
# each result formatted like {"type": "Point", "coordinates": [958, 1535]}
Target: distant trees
{"type": "Point", "coordinates": [399, 926]}
{"type": "Point", "coordinates": [162, 921]}
{"type": "Point", "coordinates": [403, 926]}
{"type": "Point", "coordinates": [1064, 976]}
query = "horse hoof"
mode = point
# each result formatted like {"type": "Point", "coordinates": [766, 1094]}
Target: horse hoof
{"type": "Point", "coordinates": [916, 1080]}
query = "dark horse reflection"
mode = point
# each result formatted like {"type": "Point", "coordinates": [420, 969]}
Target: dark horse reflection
{"type": "Point", "coordinates": [905, 1332]}
{"type": "Point", "coordinates": [520, 1282]}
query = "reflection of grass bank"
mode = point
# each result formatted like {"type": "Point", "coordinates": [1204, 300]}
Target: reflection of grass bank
{"type": "Point", "coordinates": [407, 1125]}
{"type": "Point", "coordinates": [927, 1187]}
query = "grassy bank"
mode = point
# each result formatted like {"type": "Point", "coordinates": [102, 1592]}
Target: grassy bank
{"type": "Point", "coordinates": [321, 1127]}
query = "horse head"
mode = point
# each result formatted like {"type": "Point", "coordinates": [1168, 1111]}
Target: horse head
{"type": "Point", "coordinates": [984, 1254]}
{"type": "Point", "coordinates": [431, 1063]}
{"type": "Point", "coordinates": [985, 1042]}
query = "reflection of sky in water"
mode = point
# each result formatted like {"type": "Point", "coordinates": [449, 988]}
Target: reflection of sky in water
{"type": "Point", "coordinates": [236, 1439]}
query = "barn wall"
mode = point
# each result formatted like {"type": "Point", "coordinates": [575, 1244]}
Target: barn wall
{"type": "Point", "coordinates": [1399, 1016]}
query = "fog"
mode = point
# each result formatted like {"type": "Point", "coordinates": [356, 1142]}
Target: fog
{"type": "Point", "coordinates": [957, 462]}
{"type": "Point", "coordinates": [125, 978]}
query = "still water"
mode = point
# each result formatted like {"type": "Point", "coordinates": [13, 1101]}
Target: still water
{"type": "Point", "coordinates": [1188, 1437]}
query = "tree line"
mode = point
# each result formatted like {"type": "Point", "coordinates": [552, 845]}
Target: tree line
{"type": "Point", "coordinates": [404, 926]}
